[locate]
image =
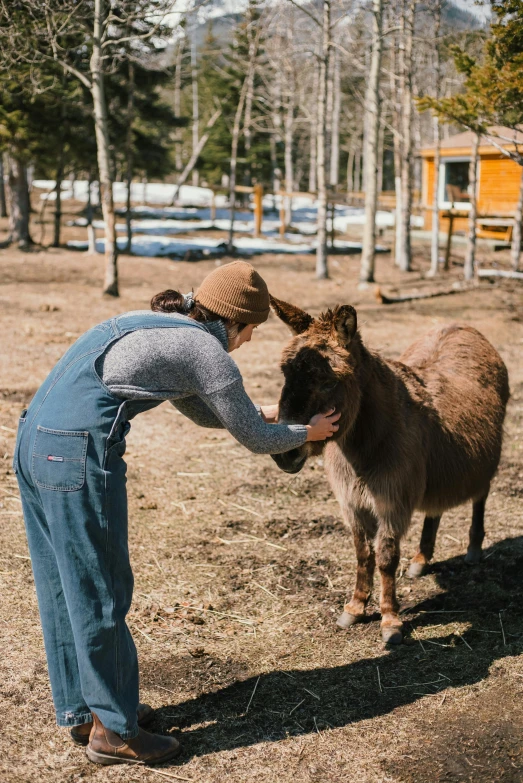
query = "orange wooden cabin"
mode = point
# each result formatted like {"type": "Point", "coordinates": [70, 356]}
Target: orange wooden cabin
{"type": "Point", "coordinates": [499, 180]}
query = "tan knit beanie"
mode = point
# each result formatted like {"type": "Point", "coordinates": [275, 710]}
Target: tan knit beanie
{"type": "Point", "coordinates": [235, 291]}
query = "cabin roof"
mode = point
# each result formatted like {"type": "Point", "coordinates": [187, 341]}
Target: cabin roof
{"type": "Point", "coordinates": [461, 143]}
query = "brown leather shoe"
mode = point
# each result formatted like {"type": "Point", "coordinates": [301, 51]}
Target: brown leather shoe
{"type": "Point", "coordinates": [106, 747]}
{"type": "Point", "coordinates": [80, 734]}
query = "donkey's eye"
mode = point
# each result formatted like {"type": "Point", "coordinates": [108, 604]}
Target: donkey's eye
{"type": "Point", "coordinates": [329, 387]}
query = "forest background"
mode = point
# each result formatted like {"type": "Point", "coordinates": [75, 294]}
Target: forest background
{"type": "Point", "coordinates": [331, 97]}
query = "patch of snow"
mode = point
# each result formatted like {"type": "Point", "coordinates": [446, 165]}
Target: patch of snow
{"type": "Point", "coordinates": [167, 246]}
{"type": "Point", "coordinates": [151, 192]}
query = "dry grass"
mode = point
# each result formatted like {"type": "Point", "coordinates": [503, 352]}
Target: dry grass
{"type": "Point", "coordinates": [240, 569]}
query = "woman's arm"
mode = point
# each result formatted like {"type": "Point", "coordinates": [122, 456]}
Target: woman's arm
{"type": "Point", "coordinates": [195, 409]}
{"type": "Point", "coordinates": [234, 408]}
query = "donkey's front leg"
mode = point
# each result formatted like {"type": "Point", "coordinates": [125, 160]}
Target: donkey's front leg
{"type": "Point", "coordinates": [354, 611]}
{"type": "Point", "coordinates": [388, 556]}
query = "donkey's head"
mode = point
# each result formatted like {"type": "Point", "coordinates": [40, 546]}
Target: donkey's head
{"type": "Point", "coordinates": [320, 367]}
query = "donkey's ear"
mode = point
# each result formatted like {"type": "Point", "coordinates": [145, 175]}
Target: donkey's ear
{"type": "Point", "coordinates": [345, 323]}
{"type": "Point", "coordinates": [297, 320]}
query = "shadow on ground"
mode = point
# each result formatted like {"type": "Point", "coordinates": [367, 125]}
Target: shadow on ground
{"type": "Point", "coordinates": [281, 703]}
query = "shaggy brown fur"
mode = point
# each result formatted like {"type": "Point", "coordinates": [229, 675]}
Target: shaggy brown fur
{"type": "Point", "coordinates": [421, 433]}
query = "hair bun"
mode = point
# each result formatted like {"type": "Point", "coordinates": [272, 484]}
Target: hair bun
{"type": "Point", "coordinates": [168, 301]}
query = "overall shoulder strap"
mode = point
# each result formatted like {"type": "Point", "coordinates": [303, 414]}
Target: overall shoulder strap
{"type": "Point", "coordinates": [145, 319]}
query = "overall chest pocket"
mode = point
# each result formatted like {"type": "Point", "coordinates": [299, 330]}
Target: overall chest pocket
{"type": "Point", "coordinates": [59, 458]}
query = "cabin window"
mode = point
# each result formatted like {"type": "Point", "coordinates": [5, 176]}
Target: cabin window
{"type": "Point", "coordinates": [454, 183]}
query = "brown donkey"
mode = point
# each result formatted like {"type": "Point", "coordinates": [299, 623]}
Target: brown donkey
{"type": "Point", "coordinates": [421, 433]}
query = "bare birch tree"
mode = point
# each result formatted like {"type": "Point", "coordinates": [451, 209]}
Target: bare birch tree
{"type": "Point", "coordinates": [129, 153]}
{"type": "Point", "coordinates": [470, 256]}
{"type": "Point", "coordinates": [372, 121]}
{"type": "Point", "coordinates": [396, 140]}
{"type": "Point", "coordinates": [3, 203]}
{"type": "Point", "coordinates": [350, 167]}
{"type": "Point", "coordinates": [313, 156]}
{"type": "Point", "coordinates": [434, 245]}
{"type": "Point", "coordinates": [178, 101]}
{"type": "Point", "coordinates": [195, 108]}
{"type": "Point", "coordinates": [515, 250]}
{"type": "Point", "coordinates": [191, 163]}
{"type": "Point", "coordinates": [251, 65]}
{"type": "Point", "coordinates": [101, 125]}
{"type": "Point", "coordinates": [288, 139]}
{"type": "Point", "coordinates": [249, 101]}
{"type": "Point", "coordinates": [322, 270]}
{"type": "Point", "coordinates": [335, 125]}
{"type": "Point", "coordinates": [406, 43]}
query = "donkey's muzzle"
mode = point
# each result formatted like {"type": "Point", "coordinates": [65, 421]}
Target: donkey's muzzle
{"type": "Point", "coordinates": [291, 461]}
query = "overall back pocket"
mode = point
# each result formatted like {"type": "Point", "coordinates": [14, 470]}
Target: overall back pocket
{"type": "Point", "coordinates": [59, 459]}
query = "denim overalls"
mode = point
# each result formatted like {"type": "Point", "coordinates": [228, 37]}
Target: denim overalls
{"type": "Point", "coordinates": [70, 469]}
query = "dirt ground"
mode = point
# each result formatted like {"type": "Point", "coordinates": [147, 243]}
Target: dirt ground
{"type": "Point", "coordinates": [241, 569]}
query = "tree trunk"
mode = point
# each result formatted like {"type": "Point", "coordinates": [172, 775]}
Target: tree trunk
{"type": "Point", "coordinates": [247, 132]}
{"type": "Point", "coordinates": [91, 234]}
{"type": "Point", "coordinates": [372, 120]}
{"type": "Point", "coordinates": [253, 45]}
{"type": "Point", "coordinates": [335, 128]}
{"type": "Point", "coordinates": [357, 170]}
{"type": "Point", "coordinates": [313, 156]}
{"type": "Point", "coordinates": [276, 134]}
{"type": "Point", "coordinates": [470, 256]}
{"type": "Point", "coordinates": [434, 246]}
{"type": "Point", "coordinates": [3, 204]}
{"type": "Point", "coordinates": [178, 104]}
{"type": "Point", "coordinates": [289, 127]}
{"type": "Point", "coordinates": [195, 109]}
{"type": "Point", "coordinates": [275, 171]}
{"type": "Point", "coordinates": [58, 201]}
{"type": "Point", "coordinates": [322, 270]}
{"type": "Point", "coordinates": [129, 153]}
{"type": "Point", "coordinates": [406, 38]}
{"type": "Point", "coordinates": [328, 118]}
{"type": "Point", "coordinates": [515, 251]}
{"type": "Point", "coordinates": [396, 141]}
{"type": "Point", "coordinates": [397, 216]}
{"type": "Point", "coordinates": [194, 157]}
{"type": "Point", "coordinates": [350, 168]}
{"type": "Point", "coordinates": [19, 202]}
{"type": "Point", "coordinates": [381, 148]}
{"type": "Point", "coordinates": [103, 151]}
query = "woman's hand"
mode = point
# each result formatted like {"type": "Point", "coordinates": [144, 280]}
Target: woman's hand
{"type": "Point", "coordinates": [269, 413]}
{"type": "Point", "coordinates": [322, 426]}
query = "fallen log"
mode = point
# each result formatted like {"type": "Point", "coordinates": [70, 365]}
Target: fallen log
{"type": "Point", "coordinates": [384, 299]}
{"type": "Point", "coordinates": [500, 273]}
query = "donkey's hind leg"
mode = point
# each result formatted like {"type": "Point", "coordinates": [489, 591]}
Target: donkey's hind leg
{"type": "Point", "coordinates": [363, 531]}
{"type": "Point", "coordinates": [388, 556]}
{"type": "Point", "coordinates": [420, 561]}
{"type": "Point", "coordinates": [477, 532]}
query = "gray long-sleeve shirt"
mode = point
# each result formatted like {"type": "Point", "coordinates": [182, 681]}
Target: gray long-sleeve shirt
{"type": "Point", "coordinates": [191, 368]}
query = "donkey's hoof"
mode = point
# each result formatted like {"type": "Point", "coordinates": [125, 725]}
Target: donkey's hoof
{"type": "Point", "coordinates": [416, 569]}
{"type": "Point", "coordinates": [392, 634]}
{"type": "Point", "coordinates": [473, 556]}
{"type": "Point", "coordinates": [345, 620]}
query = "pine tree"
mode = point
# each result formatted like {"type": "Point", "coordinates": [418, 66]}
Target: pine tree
{"type": "Point", "coordinates": [50, 128]}
{"type": "Point", "coordinates": [221, 77]}
{"type": "Point", "coordinates": [493, 95]}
